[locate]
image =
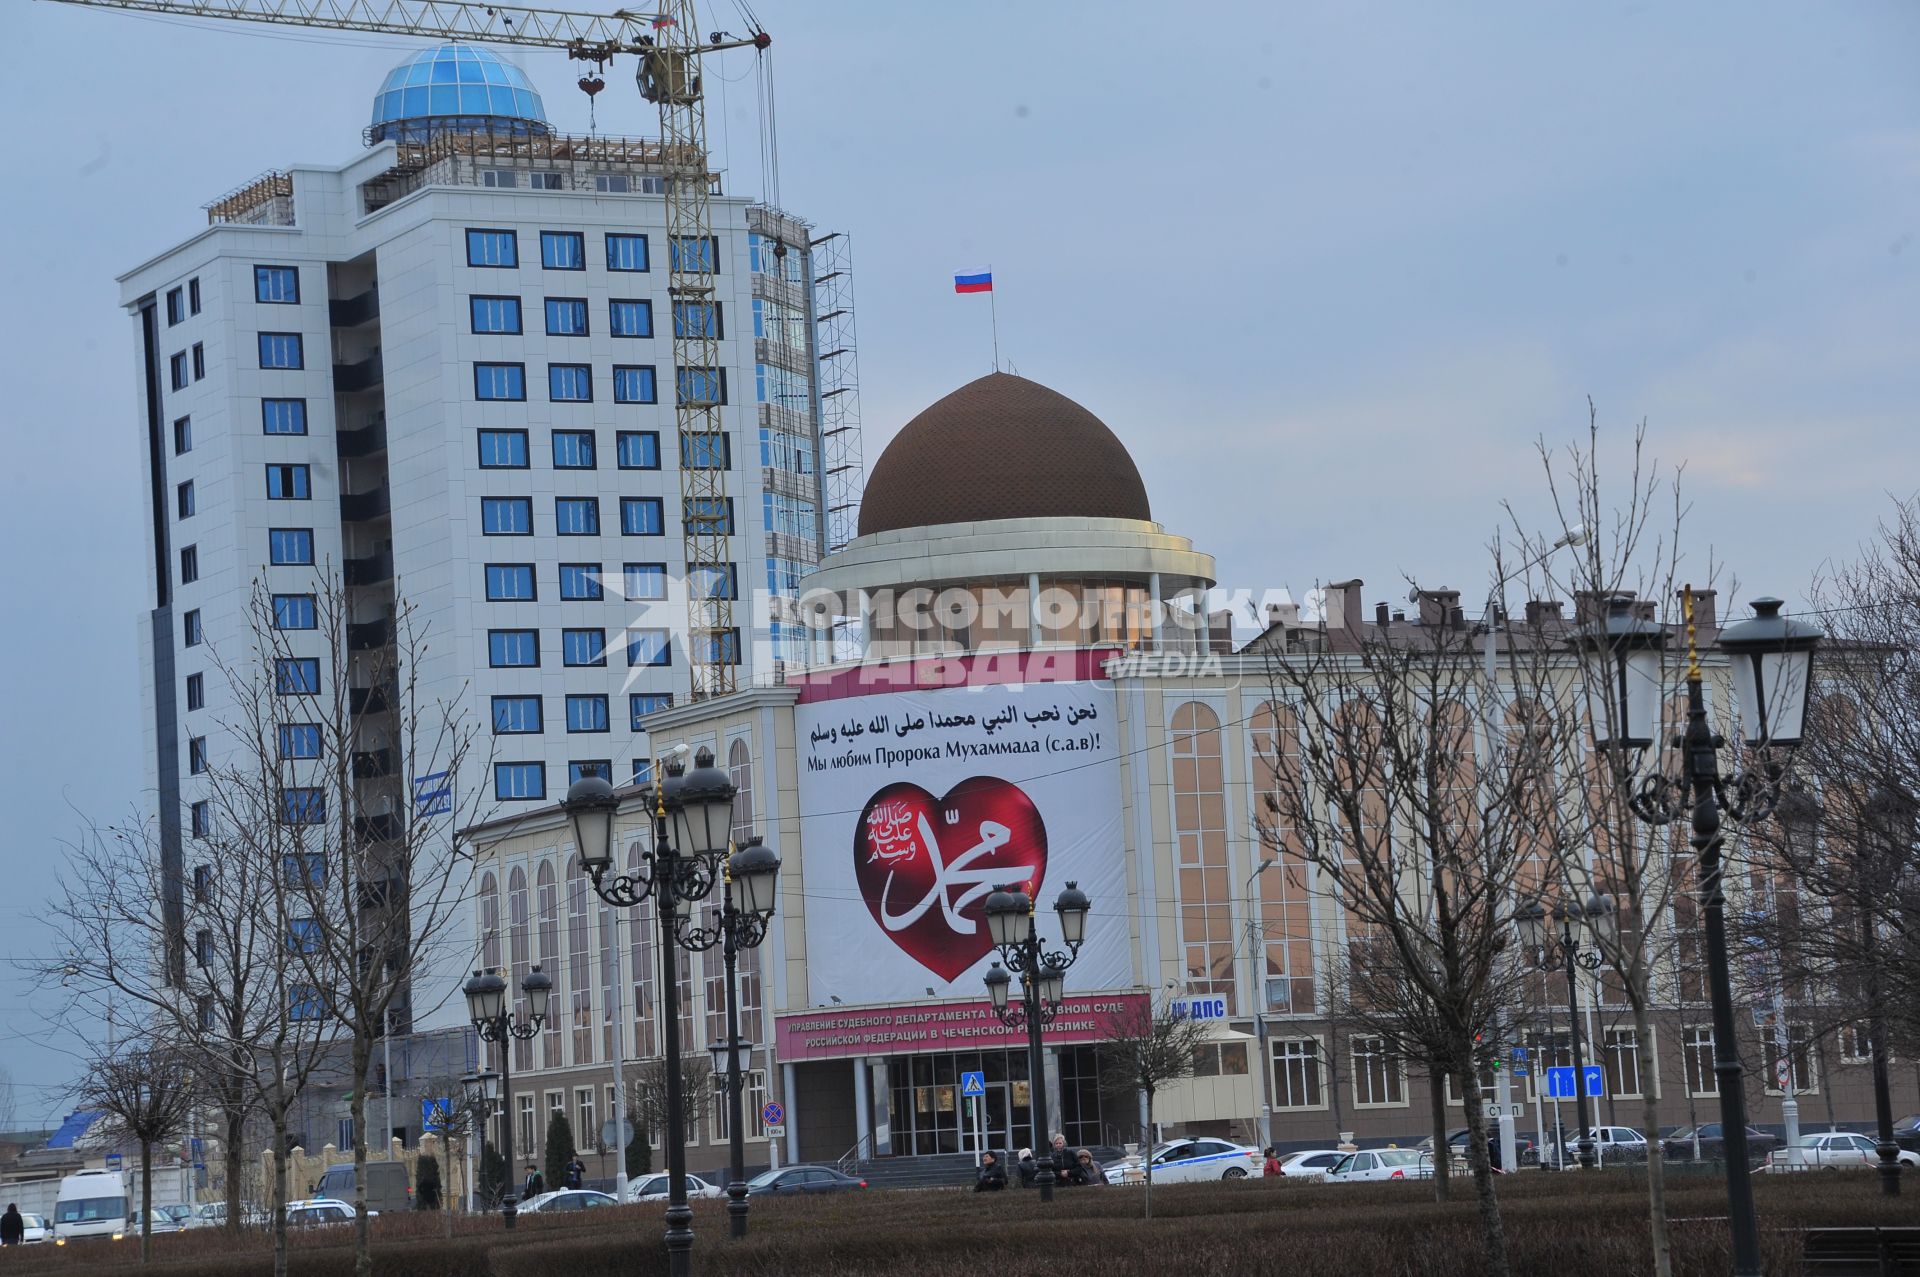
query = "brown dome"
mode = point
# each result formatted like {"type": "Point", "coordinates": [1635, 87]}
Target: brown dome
{"type": "Point", "coordinates": [1002, 447]}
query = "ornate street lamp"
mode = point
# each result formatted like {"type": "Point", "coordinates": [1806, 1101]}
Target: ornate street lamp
{"type": "Point", "coordinates": [1772, 659]}
{"type": "Point", "coordinates": [481, 1092]}
{"type": "Point", "coordinates": [487, 1008]}
{"type": "Point", "coordinates": [1042, 988]}
{"type": "Point", "coordinates": [1558, 946]}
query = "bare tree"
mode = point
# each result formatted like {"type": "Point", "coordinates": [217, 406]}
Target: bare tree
{"type": "Point", "coordinates": [1147, 1050]}
{"type": "Point", "coordinates": [146, 1094]}
{"type": "Point", "coordinates": [7, 1104]}
{"type": "Point", "coordinates": [647, 1094]}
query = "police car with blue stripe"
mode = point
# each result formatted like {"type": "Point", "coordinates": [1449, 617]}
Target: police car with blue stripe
{"type": "Point", "coordinates": [1189, 1161]}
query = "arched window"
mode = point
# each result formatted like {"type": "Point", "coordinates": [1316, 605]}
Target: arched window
{"type": "Point", "coordinates": [517, 947]}
{"type": "Point", "coordinates": [740, 771]}
{"type": "Point", "coordinates": [549, 941]}
{"type": "Point", "coordinates": [609, 979]}
{"type": "Point", "coordinates": [640, 958]}
{"type": "Point", "coordinates": [489, 921]}
{"type": "Point", "coordinates": [1204, 888]}
{"type": "Point", "coordinates": [579, 965]}
{"type": "Point", "coordinates": [1286, 906]}
{"type": "Point", "coordinates": [747, 961]}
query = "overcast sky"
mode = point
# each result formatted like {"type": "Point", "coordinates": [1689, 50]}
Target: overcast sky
{"type": "Point", "coordinates": [1328, 269]}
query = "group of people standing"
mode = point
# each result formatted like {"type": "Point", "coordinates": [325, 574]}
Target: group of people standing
{"type": "Point", "coordinates": [1069, 1168]}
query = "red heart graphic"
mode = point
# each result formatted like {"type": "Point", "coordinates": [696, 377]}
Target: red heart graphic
{"type": "Point", "coordinates": [925, 866]}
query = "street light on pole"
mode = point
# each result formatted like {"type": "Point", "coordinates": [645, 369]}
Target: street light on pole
{"type": "Point", "coordinates": [1772, 665]}
{"type": "Point", "coordinates": [1042, 987]}
{"type": "Point", "coordinates": [487, 1008]}
{"type": "Point", "coordinates": [1559, 946]}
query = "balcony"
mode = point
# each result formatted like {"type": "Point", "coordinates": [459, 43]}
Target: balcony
{"type": "Point", "coordinates": [372, 829]}
{"type": "Point", "coordinates": [368, 636]}
{"type": "Point", "coordinates": [351, 312]}
{"type": "Point", "coordinates": [371, 764]}
{"type": "Point", "coordinates": [357, 507]}
{"type": "Point", "coordinates": [364, 375]}
{"type": "Point", "coordinates": [371, 700]}
{"type": "Point", "coordinates": [364, 442]}
{"type": "Point", "coordinates": [374, 569]}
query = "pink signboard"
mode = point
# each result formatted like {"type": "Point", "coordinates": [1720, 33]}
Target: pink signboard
{"type": "Point", "coordinates": [827, 1034]}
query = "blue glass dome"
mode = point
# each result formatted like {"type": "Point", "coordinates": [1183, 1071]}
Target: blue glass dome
{"type": "Point", "coordinates": [459, 88]}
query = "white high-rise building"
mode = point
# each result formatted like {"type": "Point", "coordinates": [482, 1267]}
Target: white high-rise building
{"type": "Point", "coordinates": [444, 371]}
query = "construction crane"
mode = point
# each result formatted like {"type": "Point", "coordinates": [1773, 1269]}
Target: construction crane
{"type": "Point", "coordinates": [667, 44]}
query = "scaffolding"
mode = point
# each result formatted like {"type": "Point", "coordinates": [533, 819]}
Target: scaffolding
{"type": "Point", "coordinates": [838, 362]}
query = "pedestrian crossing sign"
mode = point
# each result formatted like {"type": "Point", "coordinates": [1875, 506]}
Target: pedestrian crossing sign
{"type": "Point", "coordinates": [972, 1084]}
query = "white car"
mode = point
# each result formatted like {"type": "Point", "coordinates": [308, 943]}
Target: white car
{"type": "Point", "coordinates": [566, 1199]}
{"type": "Point", "coordinates": [1832, 1150]}
{"type": "Point", "coordinates": [1191, 1161]}
{"type": "Point", "coordinates": [315, 1212]}
{"type": "Point", "coordinates": [1610, 1144]}
{"type": "Point", "coordinates": [1312, 1163]}
{"type": "Point", "coordinates": [1370, 1164]}
{"type": "Point", "coordinates": [655, 1188]}
{"type": "Point", "coordinates": [36, 1229]}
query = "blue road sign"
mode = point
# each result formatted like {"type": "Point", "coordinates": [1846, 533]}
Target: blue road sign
{"type": "Point", "coordinates": [972, 1084]}
{"type": "Point", "coordinates": [772, 1114]}
{"type": "Point", "coordinates": [1560, 1082]}
{"type": "Point", "coordinates": [1520, 1061]}
{"type": "Point", "coordinates": [1199, 1008]}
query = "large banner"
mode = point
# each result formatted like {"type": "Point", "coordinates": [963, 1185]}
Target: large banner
{"type": "Point", "coordinates": [915, 804]}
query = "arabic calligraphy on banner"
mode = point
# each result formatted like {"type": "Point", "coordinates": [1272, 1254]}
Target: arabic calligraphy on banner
{"type": "Point", "coordinates": [916, 804]}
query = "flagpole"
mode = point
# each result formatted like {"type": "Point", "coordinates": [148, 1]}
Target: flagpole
{"type": "Point", "coordinates": [993, 310]}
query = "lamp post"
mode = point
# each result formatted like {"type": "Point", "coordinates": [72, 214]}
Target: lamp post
{"type": "Point", "coordinates": [686, 861]}
{"type": "Point", "coordinates": [482, 1092]}
{"type": "Point", "coordinates": [1889, 827]}
{"type": "Point", "coordinates": [487, 1008]}
{"type": "Point", "coordinates": [752, 873]}
{"type": "Point", "coordinates": [1772, 666]}
{"type": "Point", "coordinates": [1042, 985]}
{"type": "Point", "coordinates": [1559, 946]}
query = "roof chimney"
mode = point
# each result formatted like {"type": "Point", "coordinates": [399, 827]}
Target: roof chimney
{"type": "Point", "coordinates": [1591, 605]}
{"type": "Point", "coordinates": [1540, 611]}
{"type": "Point", "coordinates": [1342, 606]}
{"type": "Point", "coordinates": [1380, 615]}
{"type": "Point", "coordinates": [1436, 605]}
{"type": "Point", "coordinates": [1703, 609]}
{"type": "Point", "coordinates": [1283, 614]}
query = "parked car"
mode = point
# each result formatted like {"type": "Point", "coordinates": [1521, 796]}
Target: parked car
{"type": "Point", "coordinates": [1610, 1144]}
{"type": "Point", "coordinates": [1906, 1132]}
{"type": "Point", "coordinates": [566, 1199]}
{"type": "Point", "coordinates": [1191, 1161]}
{"type": "Point", "coordinates": [36, 1229]}
{"type": "Point", "coordinates": [207, 1215]}
{"type": "Point", "coordinates": [1370, 1164]}
{"type": "Point", "coordinates": [1678, 1147]}
{"type": "Point", "coordinates": [179, 1213]}
{"type": "Point", "coordinates": [162, 1223]}
{"type": "Point", "coordinates": [1457, 1143]}
{"type": "Point", "coordinates": [789, 1180]}
{"type": "Point", "coordinates": [1311, 1163]}
{"type": "Point", "coordinates": [655, 1188]}
{"type": "Point", "coordinates": [1833, 1150]}
{"type": "Point", "coordinates": [388, 1187]}
{"type": "Point", "coordinates": [317, 1212]}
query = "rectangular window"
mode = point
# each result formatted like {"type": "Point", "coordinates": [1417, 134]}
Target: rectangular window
{"type": "Point", "coordinates": [583, 647]}
{"type": "Point", "coordinates": [701, 386]}
{"type": "Point", "coordinates": [492, 248]}
{"type": "Point", "coordinates": [626, 252]}
{"type": "Point", "coordinates": [276, 284]}
{"type": "Point", "coordinates": [500, 381]}
{"type": "Point", "coordinates": [503, 450]}
{"type": "Point", "coordinates": [785, 575]}
{"type": "Point", "coordinates": [199, 361]}
{"type": "Point", "coordinates": [182, 435]}
{"type": "Point", "coordinates": [648, 647]}
{"type": "Point", "coordinates": [196, 692]}
{"type": "Point", "coordinates": [637, 449]}
{"type": "Point", "coordinates": [282, 350]}
{"type": "Point", "coordinates": [576, 516]}
{"type": "Point", "coordinates": [193, 295]}
{"type": "Point", "coordinates": [1377, 1075]}
{"type": "Point", "coordinates": [499, 179]}
{"type": "Point", "coordinates": [296, 675]}
{"type": "Point", "coordinates": [563, 250]}
{"type": "Point", "coordinates": [201, 814]}
{"type": "Point", "coordinates": [634, 385]}
{"type": "Point", "coordinates": [177, 370]}
{"type": "Point", "coordinates": [190, 631]}
{"type": "Point", "coordinates": [611, 184]}
{"type": "Point", "coordinates": [176, 306]}
{"type": "Point", "coordinates": [494, 314]}
{"type": "Point", "coordinates": [189, 564]}
{"type": "Point", "coordinates": [641, 704]}
{"type": "Point", "coordinates": [587, 713]}
{"type": "Point", "coordinates": [510, 583]}
{"type": "Point", "coordinates": [289, 483]}
{"type": "Point", "coordinates": [283, 416]}
{"type": "Point", "coordinates": [697, 319]}
{"type": "Point", "coordinates": [643, 771]}
{"type": "Point", "coordinates": [513, 649]}
{"type": "Point", "coordinates": [713, 581]}
{"type": "Point", "coordinates": [704, 451]}
{"type": "Point", "coordinates": [290, 547]}
{"type": "Point", "coordinates": [1797, 1066]}
{"type": "Point", "coordinates": [1621, 1054]}
{"type": "Point", "coordinates": [303, 935]}
{"type": "Point", "coordinates": [627, 318]}
{"type": "Point", "coordinates": [183, 499]}
{"type": "Point", "coordinates": [1296, 1074]}
{"type": "Point", "coordinates": [573, 450]}
{"type": "Point", "coordinates": [516, 715]}
{"type": "Point", "coordinates": [299, 740]}
{"type": "Point", "coordinates": [722, 649]}
{"type": "Point", "coordinates": [303, 806]}
{"type": "Point", "coordinates": [506, 516]}
{"type": "Point", "coordinates": [580, 581]}
{"type": "Point", "coordinates": [544, 180]}
{"type": "Point", "coordinates": [519, 780]}
{"type": "Point", "coordinates": [196, 755]}
{"type": "Point", "coordinates": [694, 253]}
{"type": "Point", "coordinates": [581, 768]}
{"type": "Point", "coordinates": [646, 580]}
{"type": "Point", "coordinates": [295, 612]}
{"type": "Point", "coordinates": [570, 383]}
{"type": "Point", "coordinates": [1696, 1051]}
{"type": "Point", "coordinates": [566, 317]}
{"type": "Point", "coordinates": [711, 515]}
{"type": "Point", "coordinates": [642, 517]}
{"type": "Point", "coordinates": [1856, 1042]}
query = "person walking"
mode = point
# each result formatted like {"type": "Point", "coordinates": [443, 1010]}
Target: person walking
{"type": "Point", "coordinates": [12, 1227]}
{"type": "Point", "coordinates": [1062, 1163]}
{"type": "Point", "coordinates": [992, 1177]}
{"type": "Point", "coordinates": [534, 1184]}
{"type": "Point", "coordinates": [576, 1172]}
{"type": "Point", "coordinates": [1272, 1165]}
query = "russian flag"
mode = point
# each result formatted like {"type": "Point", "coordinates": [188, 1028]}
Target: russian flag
{"type": "Point", "coordinates": [979, 282]}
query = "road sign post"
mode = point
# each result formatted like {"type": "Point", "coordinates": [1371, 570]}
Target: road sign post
{"type": "Point", "coordinates": [973, 1088]}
